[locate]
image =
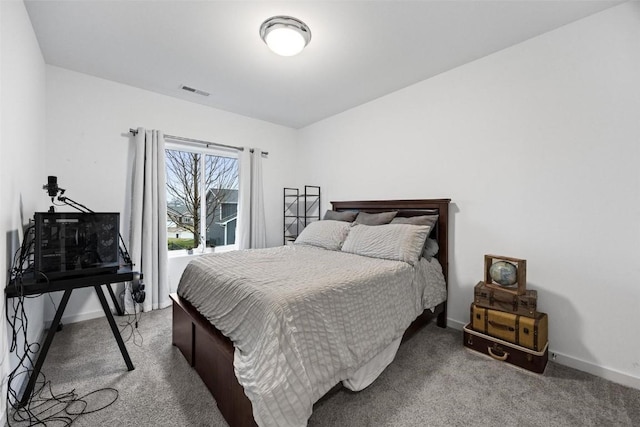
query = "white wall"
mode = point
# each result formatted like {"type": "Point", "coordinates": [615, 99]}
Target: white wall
{"type": "Point", "coordinates": [22, 141]}
{"type": "Point", "coordinates": [90, 150]}
{"type": "Point", "coordinates": [538, 148]}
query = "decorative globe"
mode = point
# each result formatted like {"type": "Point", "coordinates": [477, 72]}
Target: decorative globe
{"type": "Point", "coordinates": [503, 273]}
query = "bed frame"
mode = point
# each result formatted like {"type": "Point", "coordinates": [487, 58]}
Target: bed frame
{"type": "Point", "coordinates": [211, 354]}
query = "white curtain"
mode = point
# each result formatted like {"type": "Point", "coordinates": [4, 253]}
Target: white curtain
{"type": "Point", "coordinates": [251, 232]}
{"type": "Point", "coordinates": [149, 219]}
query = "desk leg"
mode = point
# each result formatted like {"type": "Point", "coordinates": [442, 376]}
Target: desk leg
{"type": "Point", "coordinates": [114, 327]}
{"type": "Point", "coordinates": [114, 299]}
{"type": "Point", "coordinates": [26, 396]}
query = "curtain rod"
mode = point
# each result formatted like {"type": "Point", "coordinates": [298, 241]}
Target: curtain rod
{"type": "Point", "coordinates": [197, 141]}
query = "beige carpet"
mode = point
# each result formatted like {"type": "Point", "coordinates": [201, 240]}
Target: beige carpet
{"type": "Point", "coordinates": [434, 381]}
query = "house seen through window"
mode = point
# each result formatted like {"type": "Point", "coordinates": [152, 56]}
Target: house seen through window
{"type": "Point", "coordinates": [202, 197]}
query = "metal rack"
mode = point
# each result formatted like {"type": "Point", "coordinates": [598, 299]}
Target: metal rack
{"type": "Point", "coordinates": [299, 210]}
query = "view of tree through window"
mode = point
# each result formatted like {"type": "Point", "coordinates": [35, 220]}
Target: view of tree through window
{"type": "Point", "coordinates": [202, 199]}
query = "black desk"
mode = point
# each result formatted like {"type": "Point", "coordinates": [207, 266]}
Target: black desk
{"type": "Point", "coordinates": [30, 286]}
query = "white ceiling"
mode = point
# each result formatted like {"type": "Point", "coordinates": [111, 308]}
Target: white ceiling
{"type": "Point", "coordinates": [359, 50]}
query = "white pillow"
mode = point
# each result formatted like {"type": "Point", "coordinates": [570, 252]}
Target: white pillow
{"type": "Point", "coordinates": [400, 242]}
{"type": "Point", "coordinates": [327, 234]}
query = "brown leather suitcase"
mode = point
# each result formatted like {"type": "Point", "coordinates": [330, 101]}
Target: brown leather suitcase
{"type": "Point", "coordinates": [496, 299]}
{"type": "Point", "coordinates": [503, 351]}
{"type": "Point", "coordinates": [529, 332]}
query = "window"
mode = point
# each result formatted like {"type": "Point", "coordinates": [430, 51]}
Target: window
{"type": "Point", "coordinates": [202, 197]}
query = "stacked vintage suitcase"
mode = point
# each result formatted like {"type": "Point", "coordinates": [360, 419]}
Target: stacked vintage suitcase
{"type": "Point", "coordinates": [505, 323]}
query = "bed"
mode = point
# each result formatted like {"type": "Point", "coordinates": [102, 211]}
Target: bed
{"type": "Point", "coordinates": [211, 353]}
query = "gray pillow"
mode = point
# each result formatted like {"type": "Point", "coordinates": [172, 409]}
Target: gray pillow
{"type": "Point", "coordinates": [431, 248]}
{"type": "Point", "coordinates": [347, 216]}
{"type": "Point", "coordinates": [429, 220]}
{"type": "Point", "coordinates": [375, 218]}
{"type": "Point", "coordinates": [324, 234]}
{"type": "Point", "coordinates": [399, 242]}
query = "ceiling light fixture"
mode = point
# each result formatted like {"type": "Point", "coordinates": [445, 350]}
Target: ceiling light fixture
{"type": "Point", "coordinates": [285, 35]}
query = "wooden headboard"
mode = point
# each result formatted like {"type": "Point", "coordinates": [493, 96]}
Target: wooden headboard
{"type": "Point", "coordinates": [408, 208]}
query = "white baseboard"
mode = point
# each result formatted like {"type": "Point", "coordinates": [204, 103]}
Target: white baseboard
{"type": "Point", "coordinates": [454, 324]}
{"type": "Point", "coordinates": [597, 370]}
{"type": "Point", "coordinates": [77, 318]}
{"type": "Point", "coordinates": [575, 363]}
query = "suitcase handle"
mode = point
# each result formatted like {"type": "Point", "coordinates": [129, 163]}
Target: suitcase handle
{"type": "Point", "coordinates": [503, 327]}
{"type": "Point", "coordinates": [501, 358]}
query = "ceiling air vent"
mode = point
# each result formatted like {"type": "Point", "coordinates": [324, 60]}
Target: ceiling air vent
{"type": "Point", "coordinates": [193, 90]}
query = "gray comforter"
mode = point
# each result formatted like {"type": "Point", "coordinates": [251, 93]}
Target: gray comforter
{"type": "Point", "coordinates": [303, 319]}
